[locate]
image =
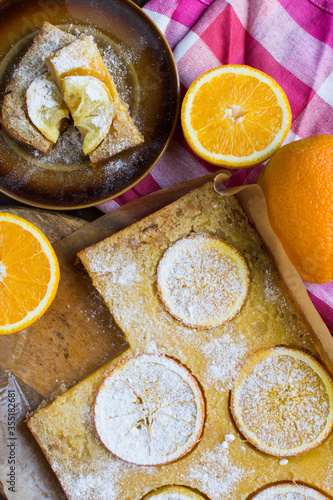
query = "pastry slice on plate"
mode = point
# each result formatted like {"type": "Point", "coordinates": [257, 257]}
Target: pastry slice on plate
{"type": "Point", "coordinates": [31, 73]}
{"type": "Point", "coordinates": [93, 100]}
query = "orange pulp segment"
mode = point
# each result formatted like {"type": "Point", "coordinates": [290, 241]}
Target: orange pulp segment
{"type": "Point", "coordinates": [235, 115]}
{"type": "Point", "coordinates": [29, 273]}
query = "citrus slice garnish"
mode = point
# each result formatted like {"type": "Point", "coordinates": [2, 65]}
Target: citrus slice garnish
{"type": "Point", "coordinates": [235, 115]}
{"type": "Point", "coordinates": [91, 107]}
{"type": "Point", "coordinates": [46, 107]}
{"type": "Point", "coordinates": [288, 490]}
{"type": "Point", "coordinates": [149, 410]}
{"type": "Point", "coordinates": [202, 281]}
{"type": "Point", "coordinates": [173, 493]}
{"type": "Point", "coordinates": [282, 401]}
{"type": "Point", "coordinates": [29, 273]}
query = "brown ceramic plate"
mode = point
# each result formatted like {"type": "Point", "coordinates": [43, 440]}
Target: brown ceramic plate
{"type": "Point", "coordinates": [146, 77]}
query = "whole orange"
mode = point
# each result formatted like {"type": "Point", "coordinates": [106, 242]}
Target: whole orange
{"type": "Point", "coordinates": [298, 186]}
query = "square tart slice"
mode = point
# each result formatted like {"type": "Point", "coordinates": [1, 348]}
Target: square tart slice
{"type": "Point", "coordinates": [14, 115]}
{"type": "Point", "coordinates": [124, 269]}
{"type": "Point", "coordinates": [79, 59]}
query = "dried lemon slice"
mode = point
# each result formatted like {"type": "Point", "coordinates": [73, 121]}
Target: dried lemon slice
{"type": "Point", "coordinates": [202, 281]}
{"type": "Point", "coordinates": [282, 401]}
{"type": "Point", "coordinates": [46, 107]}
{"type": "Point", "coordinates": [149, 410]}
{"type": "Point", "coordinates": [173, 493]}
{"type": "Point", "coordinates": [91, 107]}
{"type": "Point", "coordinates": [287, 490]}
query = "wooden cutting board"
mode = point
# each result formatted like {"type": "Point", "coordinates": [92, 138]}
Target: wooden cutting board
{"type": "Point", "coordinates": [58, 347]}
{"type": "Point", "coordinates": [55, 226]}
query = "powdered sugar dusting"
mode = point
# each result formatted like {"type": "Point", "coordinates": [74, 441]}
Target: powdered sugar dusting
{"type": "Point", "coordinates": [123, 272]}
{"type": "Point", "coordinates": [147, 411]}
{"type": "Point", "coordinates": [102, 484]}
{"type": "Point", "coordinates": [283, 401]}
{"type": "Point", "coordinates": [216, 473]}
{"type": "Point", "coordinates": [226, 354]}
{"type": "Point", "coordinates": [29, 69]}
{"type": "Point", "coordinates": [201, 281]}
{"type": "Point", "coordinates": [71, 56]}
{"type": "Point", "coordinates": [43, 94]}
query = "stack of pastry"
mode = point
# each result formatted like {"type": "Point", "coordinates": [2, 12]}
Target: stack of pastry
{"type": "Point", "coordinates": [59, 77]}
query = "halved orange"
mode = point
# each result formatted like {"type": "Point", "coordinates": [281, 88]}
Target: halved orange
{"type": "Point", "coordinates": [149, 410]}
{"type": "Point", "coordinates": [235, 115]}
{"type": "Point", "coordinates": [173, 492]}
{"type": "Point", "coordinates": [29, 273]}
{"type": "Point", "coordinates": [202, 281]}
{"type": "Point", "coordinates": [289, 490]}
{"type": "Point", "coordinates": [282, 401]}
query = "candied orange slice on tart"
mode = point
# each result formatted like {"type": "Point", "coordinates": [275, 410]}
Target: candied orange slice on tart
{"type": "Point", "coordinates": [282, 401]}
{"type": "Point", "coordinates": [202, 281]}
{"type": "Point", "coordinates": [172, 492]}
{"type": "Point", "coordinates": [288, 490]}
{"type": "Point", "coordinates": [29, 273]}
{"type": "Point", "coordinates": [149, 410]}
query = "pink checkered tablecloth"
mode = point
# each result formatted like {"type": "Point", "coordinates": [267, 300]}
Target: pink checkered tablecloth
{"type": "Point", "coordinates": [291, 40]}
